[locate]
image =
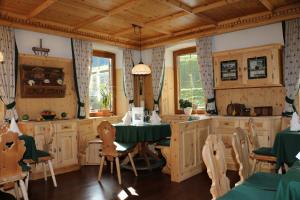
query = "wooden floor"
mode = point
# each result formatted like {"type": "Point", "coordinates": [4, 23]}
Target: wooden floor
{"type": "Point", "coordinates": [83, 185]}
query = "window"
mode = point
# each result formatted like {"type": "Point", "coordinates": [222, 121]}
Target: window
{"type": "Point", "coordinates": [102, 84]}
{"type": "Point", "coordinates": [187, 80]}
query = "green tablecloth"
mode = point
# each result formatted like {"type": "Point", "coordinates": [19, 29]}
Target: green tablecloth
{"type": "Point", "coordinates": [289, 186]}
{"type": "Point", "coordinates": [141, 133]}
{"type": "Point", "coordinates": [246, 192]}
{"type": "Point", "coordinates": [286, 146]}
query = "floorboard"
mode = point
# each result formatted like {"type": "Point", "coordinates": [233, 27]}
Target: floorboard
{"type": "Point", "coordinates": [83, 185]}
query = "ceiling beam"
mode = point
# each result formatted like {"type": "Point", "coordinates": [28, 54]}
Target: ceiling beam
{"type": "Point", "coordinates": [150, 24]}
{"type": "Point", "coordinates": [189, 10]}
{"type": "Point", "coordinates": [40, 8]}
{"type": "Point", "coordinates": [113, 11]}
{"type": "Point", "coordinates": [210, 6]}
{"type": "Point", "coordinates": [267, 4]}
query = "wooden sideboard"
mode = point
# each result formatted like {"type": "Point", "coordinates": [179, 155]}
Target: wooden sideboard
{"type": "Point", "coordinates": [267, 127]}
{"type": "Point", "coordinates": [58, 138]}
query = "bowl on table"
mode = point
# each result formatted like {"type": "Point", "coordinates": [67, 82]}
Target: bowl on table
{"type": "Point", "coordinates": [48, 117]}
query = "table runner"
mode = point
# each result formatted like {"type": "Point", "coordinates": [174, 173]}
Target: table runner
{"type": "Point", "coordinates": [141, 133]}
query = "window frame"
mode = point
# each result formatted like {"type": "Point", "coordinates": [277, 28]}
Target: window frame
{"type": "Point", "coordinates": [112, 56]}
{"type": "Point", "coordinates": [176, 81]}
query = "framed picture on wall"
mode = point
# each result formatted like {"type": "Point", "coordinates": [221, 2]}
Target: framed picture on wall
{"type": "Point", "coordinates": [229, 70]}
{"type": "Point", "coordinates": [257, 67]}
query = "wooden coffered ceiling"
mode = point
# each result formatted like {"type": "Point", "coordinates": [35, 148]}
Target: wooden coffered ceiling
{"type": "Point", "coordinates": [162, 21]}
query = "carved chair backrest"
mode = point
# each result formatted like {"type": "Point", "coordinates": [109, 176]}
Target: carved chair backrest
{"type": "Point", "coordinates": [4, 127]}
{"type": "Point", "coordinates": [241, 149]}
{"type": "Point", "coordinates": [253, 139]}
{"type": "Point", "coordinates": [213, 154]}
{"type": "Point", "coordinates": [107, 133]}
{"type": "Point", "coordinates": [12, 150]}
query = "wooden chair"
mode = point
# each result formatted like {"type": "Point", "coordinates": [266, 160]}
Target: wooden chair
{"type": "Point", "coordinates": [213, 154]}
{"type": "Point", "coordinates": [11, 152]}
{"type": "Point", "coordinates": [240, 144]}
{"type": "Point", "coordinates": [241, 149]}
{"type": "Point", "coordinates": [258, 154]}
{"type": "Point", "coordinates": [112, 150]}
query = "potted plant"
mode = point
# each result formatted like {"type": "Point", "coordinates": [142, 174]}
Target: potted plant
{"type": "Point", "coordinates": [105, 100]}
{"type": "Point", "coordinates": [186, 105]}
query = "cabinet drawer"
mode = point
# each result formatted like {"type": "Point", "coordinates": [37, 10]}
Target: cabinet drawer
{"type": "Point", "coordinates": [259, 124]}
{"type": "Point", "coordinates": [41, 129]}
{"type": "Point", "coordinates": [225, 123]}
{"type": "Point", "coordinates": [66, 127]}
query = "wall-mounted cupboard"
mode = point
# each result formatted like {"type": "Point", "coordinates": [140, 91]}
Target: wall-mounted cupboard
{"type": "Point", "coordinates": [250, 67]}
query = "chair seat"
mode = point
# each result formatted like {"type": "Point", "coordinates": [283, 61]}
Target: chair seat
{"type": "Point", "coordinates": [263, 158]}
{"type": "Point", "coordinates": [264, 181]}
{"type": "Point", "coordinates": [124, 147]}
{"type": "Point", "coordinates": [42, 157]}
{"type": "Point", "coordinates": [164, 142]}
{"type": "Point", "coordinates": [266, 151]}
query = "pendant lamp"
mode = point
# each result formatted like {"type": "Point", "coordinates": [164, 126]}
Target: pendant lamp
{"type": "Point", "coordinates": [1, 57]}
{"type": "Point", "coordinates": [141, 68]}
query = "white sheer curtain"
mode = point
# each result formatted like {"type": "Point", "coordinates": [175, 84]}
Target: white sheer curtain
{"type": "Point", "coordinates": [205, 62]}
{"type": "Point", "coordinates": [82, 58]}
{"type": "Point", "coordinates": [7, 72]}
{"type": "Point", "coordinates": [158, 71]}
{"type": "Point", "coordinates": [128, 77]}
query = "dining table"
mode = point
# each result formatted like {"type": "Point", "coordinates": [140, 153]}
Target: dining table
{"type": "Point", "coordinates": [143, 135]}
{"type": "Point", "coordinates": [286, 146]}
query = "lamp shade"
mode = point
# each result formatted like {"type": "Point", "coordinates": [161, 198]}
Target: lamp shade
{"type": "Point", "coordinates": [1, 57]}
{"type": "Point", "coordinates": [141, 69]}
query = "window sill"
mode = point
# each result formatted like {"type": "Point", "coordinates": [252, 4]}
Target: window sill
{"type": "Point", "coordinates": [105, 113]}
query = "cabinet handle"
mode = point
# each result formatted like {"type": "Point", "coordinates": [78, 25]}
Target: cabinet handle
{"type": "Point", "coordinates": [59, 149]}
{"type": "Point", "coordinates": [54, 150]}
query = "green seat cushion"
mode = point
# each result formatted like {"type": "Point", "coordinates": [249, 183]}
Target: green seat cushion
{"type": "Point", "coordinates": [42, 153]}
{"type": "Point", "coordinates": [264, 181]}
{"type": "Point", "coordinates": [245, 192]}
{"type": "Point", "coordinates": [164, 142]}
{"type": "Point", "coordinates": [265, 151]}
{"type": "Point", "coordinates": [123, 147]}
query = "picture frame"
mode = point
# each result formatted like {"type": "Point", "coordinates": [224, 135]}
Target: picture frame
{"type": "Point", "coordinates": [138, 115]}
{"type": "Point", "coordinates": [229, 70]}
{"type": "Point", "coordinates": [257, 67]}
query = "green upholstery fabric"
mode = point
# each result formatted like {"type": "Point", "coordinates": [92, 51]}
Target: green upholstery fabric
{"type": "Point", "coordinates": [264, 181]}
{"type": "Point", "coordinates": [265, 151]}
{"type": "Point", "coordinates": [143, 133]}
{"type": "Point", "coordinates": [31, 151]}
{"type": "Point", "coordinates": [123, 147]}
{"type": "Point", "coordinates": [289, 186]}
{"type": "Point", "coordinates": [164, 142]}
{"type": "Point", "coordinates": [246, 192]}
{"type": "Point", "coordinates": [42, 153]}
{"type": "Point", "coordinates": [286, 146]}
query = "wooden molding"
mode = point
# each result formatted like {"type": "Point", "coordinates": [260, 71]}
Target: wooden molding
{"type": "Point", "coordinates": [44, 26]}
{"type": "Point", "coordinates": [267, 4]}
{"type": "Point", "coordinates": [258, 19]}
{"type": "Point", "coordinates": [40, 8]}
{"type": "Point", "coordinates": [114, 11]}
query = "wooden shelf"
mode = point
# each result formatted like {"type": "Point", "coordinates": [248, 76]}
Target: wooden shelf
{"type": "Point", "coordinates": [40, 91]}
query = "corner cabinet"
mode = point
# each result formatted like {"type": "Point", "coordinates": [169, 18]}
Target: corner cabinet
{"type": "Point", "coordinates": [59, 138]}
{"type": "Point", "coordinates": [250, 67]}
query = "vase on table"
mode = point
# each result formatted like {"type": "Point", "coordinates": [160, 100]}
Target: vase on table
{"type": "Point", "coordinates": [188, 110]}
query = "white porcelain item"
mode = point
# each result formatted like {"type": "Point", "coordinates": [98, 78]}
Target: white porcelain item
{"type": "Point", "coordinates": [188, 110]}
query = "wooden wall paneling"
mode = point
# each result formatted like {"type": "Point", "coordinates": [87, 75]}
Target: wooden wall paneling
{"type": "Point", "coordinates": [2, 111]}
{"type": "Point", "coordinates": [252, 97]}
{"type": "Point", "coordinates": [33, 106]}
{"type": "Point", "coordinates": [167, 97]}
{"type": "Point", "coordinates": [121, 99]}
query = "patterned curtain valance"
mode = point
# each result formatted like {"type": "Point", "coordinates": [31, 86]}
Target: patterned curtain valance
{"type": "Point", "coordinates": [82, 60]}
{"type": "Point", "coordinates": [205, 62]}
{"type": "Point", "coordinates": [8, 71]}
{"type": "Point", "coordinates": [291, 64]}
{"type": "Point", "coordinates": [128, 77]}
{"type": "Point", "coordinates": [158, 71]}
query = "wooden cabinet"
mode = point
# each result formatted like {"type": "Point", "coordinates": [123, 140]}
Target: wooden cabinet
{"type": "Point", "coordinates": [243, 57]}
{"type": "Point", "coordinates": [266, 128]}
{"type": "Point", "coordinates": [58, 138]}
{"type": "Point", "coordinates": [187, 141]}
